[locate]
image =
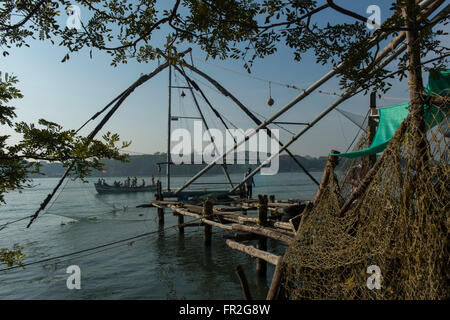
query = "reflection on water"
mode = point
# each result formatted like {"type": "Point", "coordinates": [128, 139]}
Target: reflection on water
{"type": "Point", "coordinates": [162, 265]}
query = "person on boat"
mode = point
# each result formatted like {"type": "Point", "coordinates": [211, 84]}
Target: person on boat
{"type": "Point", "coordinates": [143, 183]}
{"type": "Point", "coordinates": [153, 181]}
{"type": "Point", "coordinates": [128, 182]}
{"type": "Point", "coordinates": [99, 181]}
{"type": "Point", "coordinates": [135, 182]}
{"type": "Point", "coordinates": [249, 183]}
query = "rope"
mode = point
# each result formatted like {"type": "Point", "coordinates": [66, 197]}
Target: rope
{"type": "Point", "coordinates": [357, 134]}
{"type": "Point", "coordinates": [289, 86]}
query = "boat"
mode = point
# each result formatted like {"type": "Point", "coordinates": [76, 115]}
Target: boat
{"type": "Point", "coordinates": [104, 188]}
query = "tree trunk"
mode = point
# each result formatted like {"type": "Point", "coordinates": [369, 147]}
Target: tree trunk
{"type": "Point", "coordinates": [410, 11]}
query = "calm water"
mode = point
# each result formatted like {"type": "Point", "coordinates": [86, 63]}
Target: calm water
{"type": "Point", "coordinates": [162, 265]}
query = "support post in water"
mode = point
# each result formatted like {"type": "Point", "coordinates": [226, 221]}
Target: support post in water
{"type": "Point", "coordinates": [207, 214]}
{"type": "Point", "coordinates": [181, 223]}
{"type": "Point", "coordinates": [272, 198]}
{"type": "Point", "coordinates": [159, 197]}
{"type": "Point", "coordinates": [261, 265]}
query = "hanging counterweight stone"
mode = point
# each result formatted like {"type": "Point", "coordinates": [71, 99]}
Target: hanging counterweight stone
{"type": "Point", "coordinates": [270, 102]}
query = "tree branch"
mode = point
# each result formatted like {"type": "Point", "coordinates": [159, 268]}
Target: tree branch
{"type": "Point", "coordinates": [28, 17]}
{"type": "Point", "coordinates": [134, 43]}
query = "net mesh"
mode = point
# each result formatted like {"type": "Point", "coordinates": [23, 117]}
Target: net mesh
{"type": "Point", "coordinates": [399, 223]}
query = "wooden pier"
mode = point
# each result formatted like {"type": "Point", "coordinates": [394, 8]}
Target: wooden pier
{"type": "Point", "coordinates": [232, 216]}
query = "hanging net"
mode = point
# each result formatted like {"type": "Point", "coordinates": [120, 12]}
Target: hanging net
{"type": "Point", "coordinates": [396, 220]}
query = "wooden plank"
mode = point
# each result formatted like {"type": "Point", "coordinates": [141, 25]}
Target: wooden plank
{"type": "Point", "coordinates": [252, 251]}
{"type": "Point", "coordinates": [283, 225]}
{"type": "Point", "coordinates": [199, 217]}
{"type": "Point", "coordinates": [264, 231]}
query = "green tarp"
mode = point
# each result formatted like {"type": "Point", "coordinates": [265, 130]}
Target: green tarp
{"type": "Point", "coordinates": [391, 117]}
{"type": "Point", "coordinates": [439, 83]}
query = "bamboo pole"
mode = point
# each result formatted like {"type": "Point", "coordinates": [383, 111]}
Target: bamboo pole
{"type": "Point", "coordinates": [199, 217]}
{"type": "Point", "coordinates": [226, 93]}
{"type": "Point", "coordinates": [216, 148]}
{"type": "Point", "coordinates": [252, 251]}
{"type": "Point", "coordinates": [284, 225]}
{"type": "Point", "coordinates": [276, 281]}
{"type": "Point", "coordinates": [288, 106]}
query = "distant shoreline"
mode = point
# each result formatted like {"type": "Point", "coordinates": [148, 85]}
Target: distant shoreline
{"type": "Point", "coordinates": [147, 165]}
{"type": "Point", "coordinates": [172, 175]}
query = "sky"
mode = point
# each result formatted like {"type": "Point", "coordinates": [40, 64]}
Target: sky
{"type": "Point", "coordinates": [70, 93]}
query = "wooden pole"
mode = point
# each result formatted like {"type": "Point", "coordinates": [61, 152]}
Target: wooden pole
{"type": "Point", "coordinates": [207, 214]}
{"type": "Point", "coordinates": [159, 197]}
{"type": "Point", "coordinates": [244, 283]}
{"type": "Point", "coordinates": [272, 198]}
{"type": "Point", "coordinates": [372, 125]}
{"type": "Point", "coordinates": [415, 82]}
{"type": "Point", "coordinates": [276, 281]}
{"type": "Point", "coordinates": [199, 217]}
{"type": "Point", "coordinates": [328, 173]}
{"type": "Point", "coordinates": [181, 223]}
{"type": "Point", "coordinates": [252, 251]}
{"type": "Point", "coordinates": [261, 265]}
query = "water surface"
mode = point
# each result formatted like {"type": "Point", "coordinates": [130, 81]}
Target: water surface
{"type": "Point", "coordinates": [162, 265]}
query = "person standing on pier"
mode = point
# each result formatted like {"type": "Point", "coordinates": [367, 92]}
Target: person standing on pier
{"type": "Point", "coordinates": [249, 183]}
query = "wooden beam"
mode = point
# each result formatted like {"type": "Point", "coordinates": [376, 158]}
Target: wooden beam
{"type": "Point", "coordinates": [199, 217]}
{"type": "Point", "coordinates": [252, 251]}
{"type": "Point", "coordinates": [276, 281]}
{"type": "Point", "coordinates": [264, 231]}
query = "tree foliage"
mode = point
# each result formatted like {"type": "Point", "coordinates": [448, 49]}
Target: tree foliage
{"type": "Point", "coordinates": [45, 141]}
{"type": "Point", "coordinates": [238, 29]}
{"type": "Point", "coordinates": [244, 30]}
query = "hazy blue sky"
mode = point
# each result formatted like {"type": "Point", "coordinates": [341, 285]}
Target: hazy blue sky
{"type": "Point", "coordinates": [69, 93]}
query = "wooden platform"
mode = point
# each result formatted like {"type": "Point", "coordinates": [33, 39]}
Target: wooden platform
{"type": "Point", "coordinates": [231, 215]}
